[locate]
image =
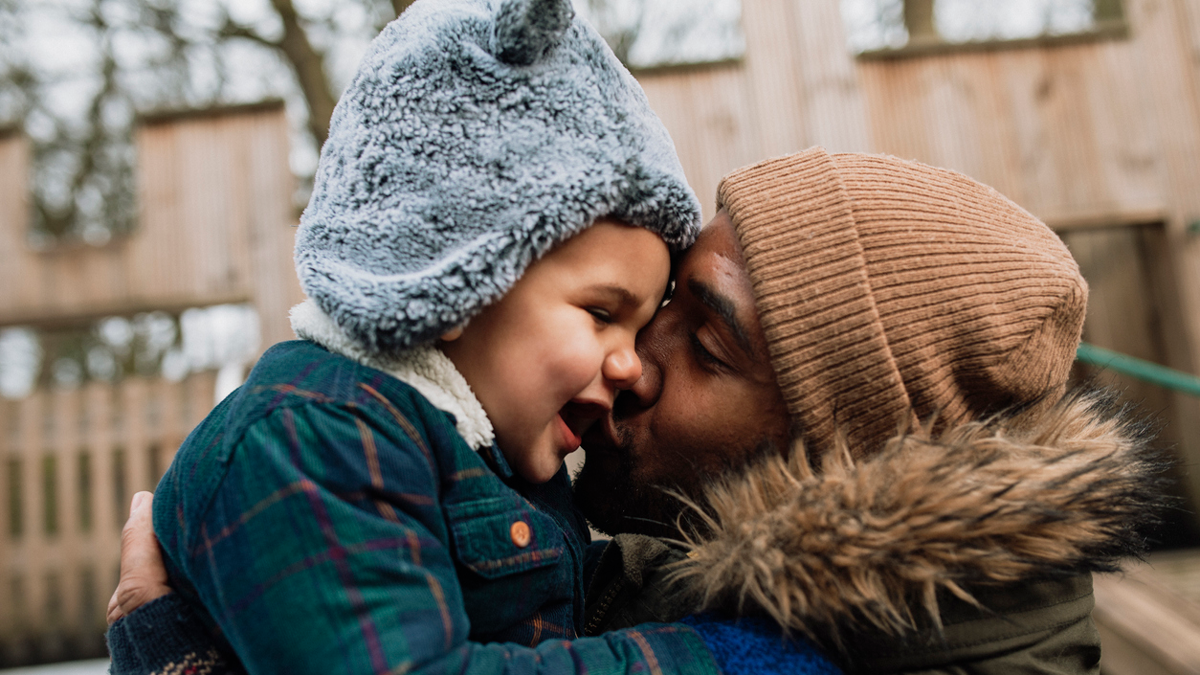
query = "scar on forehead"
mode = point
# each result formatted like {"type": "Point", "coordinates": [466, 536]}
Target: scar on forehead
{"type": "Point", "coordinates": [726, 310]}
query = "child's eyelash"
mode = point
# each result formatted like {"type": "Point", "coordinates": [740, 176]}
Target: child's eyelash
{"type": "Point", "coordinates": [602, 315]}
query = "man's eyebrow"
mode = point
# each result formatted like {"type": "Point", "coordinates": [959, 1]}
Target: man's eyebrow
{"type": "Point", "coordinates": [723, 307]}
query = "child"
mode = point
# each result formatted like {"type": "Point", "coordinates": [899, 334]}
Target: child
{"type": "Point", "coordinates": [490, 227]}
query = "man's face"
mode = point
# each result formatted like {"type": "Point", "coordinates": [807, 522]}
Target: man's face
{"type": "Point", "coordinates": [707, 401]}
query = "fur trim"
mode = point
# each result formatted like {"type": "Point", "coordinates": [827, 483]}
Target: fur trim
{"type": "Point", "coordinates": [984, 503]}
{"type": "Point", "coordinates": [425, 369]}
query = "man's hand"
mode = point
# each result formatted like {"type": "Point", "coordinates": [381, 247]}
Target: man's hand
{"type": "Point", "coordinates": [143, 575]}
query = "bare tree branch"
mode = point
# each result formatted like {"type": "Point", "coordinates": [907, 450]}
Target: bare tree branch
{"type": "Point", "coordinates": [232, 29]}
{"type": "Point", "coordinates": [400, 5]}
{"type": "Point", "coordinates": [309, 64]}
{"type": "Point", "coordinates": [169, 57]}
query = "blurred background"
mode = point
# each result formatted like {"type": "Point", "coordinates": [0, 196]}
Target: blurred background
{"type": "Point", "coordinates": [155, 156]}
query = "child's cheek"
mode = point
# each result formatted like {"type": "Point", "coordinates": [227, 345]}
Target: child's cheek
{"type": "Point", "coordinates": [581, 360]}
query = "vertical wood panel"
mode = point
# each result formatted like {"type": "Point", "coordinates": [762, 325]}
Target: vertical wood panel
{"type": "Point", "coordinates": [1060, 130]}
{"type": "Point", "coordinates": [708, 112]}
{"type": "Point", "coordinates": [773, 74]}
{"type": "Point", "coordinates": [29, 548]}
{"type": "Point", "coordinates": [204, 185]}
{"type": "Point", "coordinates": [14, 214]}
{"type": "Point", "coordinates": [100, 442]}
{"type": "Point", "coordinates": [136, 442]}
{"type": "Point", "coordinates": [834, 108]}
{"type": "Point", "coordinates": [8, 451]}
{"type": "Point", "coordinates": [174, 427]}
{"type": "Point", "coordinates": [69, 552]}
{"type": "Point", "coordinates": [271, 228]}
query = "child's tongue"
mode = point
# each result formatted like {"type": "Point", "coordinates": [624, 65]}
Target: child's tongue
{"type": "Point", "coordinates": [577, 417]}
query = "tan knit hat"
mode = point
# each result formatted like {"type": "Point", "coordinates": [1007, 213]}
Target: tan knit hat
{"type": "Point", "coordinates": [892, 292]}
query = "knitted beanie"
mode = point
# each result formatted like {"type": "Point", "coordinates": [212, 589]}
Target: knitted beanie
{"type": "Point", "coordinates": [476, 135]}
{"type": "Point", "coordinates": [893, 293]}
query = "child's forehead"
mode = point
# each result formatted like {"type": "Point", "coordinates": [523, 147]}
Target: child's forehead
{"type": "Point", "coordinates": [607, 237]}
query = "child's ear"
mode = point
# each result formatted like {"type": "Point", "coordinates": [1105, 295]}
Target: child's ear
{"type": "Point", "coordinates": [452, 334]}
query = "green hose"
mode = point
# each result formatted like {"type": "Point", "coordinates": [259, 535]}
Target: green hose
{"type": "Point", "coordinates": [1142, 370]}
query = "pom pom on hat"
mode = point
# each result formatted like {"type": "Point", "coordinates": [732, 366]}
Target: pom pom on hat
{"type": "Point", "coordinates": [475, 136]}
{"type": "Point", "coordinates": [527, 29]}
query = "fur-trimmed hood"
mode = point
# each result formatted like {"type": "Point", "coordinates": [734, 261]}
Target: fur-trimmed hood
{"type": "Point", "coordinates": [874, 541]}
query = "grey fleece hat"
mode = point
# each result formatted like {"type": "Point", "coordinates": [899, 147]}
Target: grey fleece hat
{"type": "Point", "coordinates": [476, 135]}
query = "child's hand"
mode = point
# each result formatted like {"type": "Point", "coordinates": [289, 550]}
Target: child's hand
{"type": "Point", "coordinates": [143, 575]}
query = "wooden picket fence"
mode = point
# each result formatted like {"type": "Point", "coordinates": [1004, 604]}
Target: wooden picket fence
{"type": "Point", "coordinates": [70, 461]}
{"type": "Point", "coordinates": [216, 225]}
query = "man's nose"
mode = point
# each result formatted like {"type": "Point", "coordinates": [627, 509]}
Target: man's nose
{"type": "Point", "coordinates": [646, 390]}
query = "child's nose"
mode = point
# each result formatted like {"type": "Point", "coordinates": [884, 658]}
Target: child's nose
{"type": "Point", "coordinates": [622, 367]}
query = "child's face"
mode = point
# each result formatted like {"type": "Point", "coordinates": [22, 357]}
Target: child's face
{"type": "Point", "coordinates": [547, 359]}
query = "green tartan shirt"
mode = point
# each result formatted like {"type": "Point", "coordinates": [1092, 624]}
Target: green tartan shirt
{"type": "Point", "coordinates": [326, 518]}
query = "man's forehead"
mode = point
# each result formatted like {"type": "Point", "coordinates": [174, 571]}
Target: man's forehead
{"type": "Point", "coordinates": [715, 273]}
{"type": "Point", "coordinates": [716, 260]}
{"type": "Point", "coordinates": [718, 251]}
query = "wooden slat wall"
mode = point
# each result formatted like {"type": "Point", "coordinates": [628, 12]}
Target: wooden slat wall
{"type": "Point", "coordinates": [797, 86]}
{"type": "Point", "coordinates": [1068, 132]}
{"type": "Point", "coordinates": [1099, 135]}
{"type": "Point", "coordinates": [1078, 134]}
{"type": "Point", "coordinates": [215, 197]}
{"type": "Point", "coordinates": [215, 225]}
{"type": "Point", "coordinates": [78, 456]}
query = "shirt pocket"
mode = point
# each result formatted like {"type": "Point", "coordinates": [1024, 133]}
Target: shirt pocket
{"type": "Point", "coordinates": [504, 582]}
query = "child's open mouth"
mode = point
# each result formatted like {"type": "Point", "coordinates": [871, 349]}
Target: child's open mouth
{"type": "Point", "coordinates": [575, 418]}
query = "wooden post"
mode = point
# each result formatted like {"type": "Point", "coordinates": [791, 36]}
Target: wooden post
{"type": "Point", "coordinates": [8, 450]}
{"type": "Point", "coordinates": [70, 555]}
{"type": "Point", "coordinates": [918, 19]}
{"type": "Point", "coordinates": [1107, 11]}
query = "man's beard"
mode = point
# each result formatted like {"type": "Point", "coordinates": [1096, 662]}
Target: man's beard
{"type": "Point", "coordinates": [614, 502]}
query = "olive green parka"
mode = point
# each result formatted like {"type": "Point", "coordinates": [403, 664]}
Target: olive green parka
{"type": "Point", "coordinates": [968, 551]}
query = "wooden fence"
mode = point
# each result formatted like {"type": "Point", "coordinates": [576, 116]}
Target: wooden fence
{"type": "Point", "coordinates": [70, 461]}
{"type": "Point", "coordinates": [215, 226]}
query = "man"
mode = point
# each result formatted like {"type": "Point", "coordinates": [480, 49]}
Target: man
{"type": "Point", "coordinates": [854, 410]}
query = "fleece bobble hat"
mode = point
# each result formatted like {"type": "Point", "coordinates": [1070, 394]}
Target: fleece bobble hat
{"type": "Point", "coordinates": [476, 135]}
{"type": "Point", "coordinates": [892, 293]}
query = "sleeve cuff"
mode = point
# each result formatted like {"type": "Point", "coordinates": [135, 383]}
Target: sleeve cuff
{"type": "Point", "coordinates": [163, 635]}
{"type": "Point", "coordinates": [756, 645]}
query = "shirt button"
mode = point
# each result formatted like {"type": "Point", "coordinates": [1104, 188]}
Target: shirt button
{"type": "Point", "coordinates": [520, 534]}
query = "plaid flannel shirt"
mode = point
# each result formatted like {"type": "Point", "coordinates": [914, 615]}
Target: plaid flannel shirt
{"type": "Point", "coordinates": [327, 519]}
